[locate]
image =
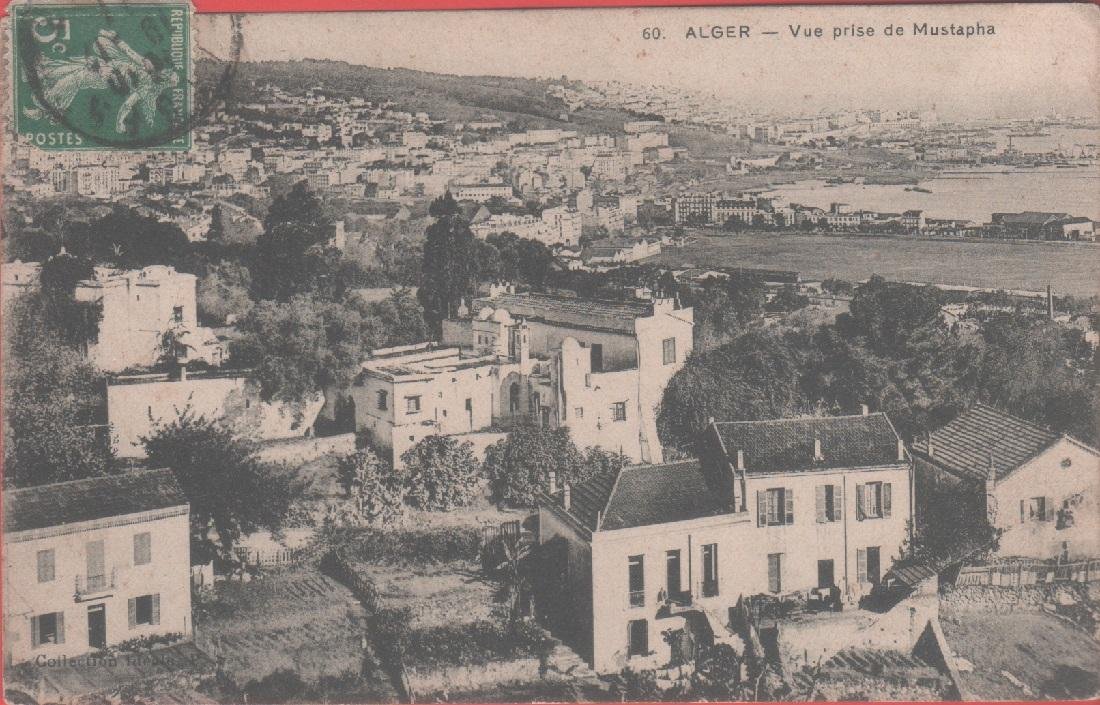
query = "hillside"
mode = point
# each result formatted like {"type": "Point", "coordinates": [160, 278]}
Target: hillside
{"type": "Point", "coordinates": [450, 97]}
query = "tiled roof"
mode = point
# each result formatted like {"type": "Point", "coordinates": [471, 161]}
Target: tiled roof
{"type": "Point", "coordinates": [985, 435]}
{"type": "Point", "coordinates": [90, 499]}
{"type": "Point", "coordinates": [658, 494]}
{"type": "Point", "coordinates": [643, 495]}
{"type": "Point", "coordinates": [788, 444]}
{"type": "Point", "coordinates": [615, 316]}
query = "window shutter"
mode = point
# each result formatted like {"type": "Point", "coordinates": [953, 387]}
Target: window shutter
{"type": "Point", "coordinates": [788, 505]}
{"type": "Point", "coordinates": [861, 565]}
{"type": "Point", "coordinates": [132, 605]}
{"type": "Point", "coordinates": [860, 503]}
{"type": "Point", "coordinates": [761, 508]}
{"type": "Point", "coordinates": [1048, 507]}
{"type": "Point", "coordinates": [60, 627]}
{"type": "Point", "coordinates": [819, 504]}
{"type": "Point", "coordinates": [838, 502]}
{"type": "Point", "coordinates": [34, 631]}
{"type": "Point", "coordinates": [156, 608]}
{"type": "Point", "coordinates": [886, 499]}
{"type": "Point", "coordinates": [1023, 513]}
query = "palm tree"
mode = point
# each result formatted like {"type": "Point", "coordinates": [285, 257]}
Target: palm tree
{"type": "Point", "coordinates": [508, 560]}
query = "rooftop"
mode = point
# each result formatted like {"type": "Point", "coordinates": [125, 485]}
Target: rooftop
{"type": "Point", "coordinates": [985, 437]}
{"type": "Point", "coordinates": [424, 359]}
{"type": "Point", "coordinates": [89, 499]}
{"type": "Point", "coordinates": [644, 495]}
{"type": "Point", "coordinates": [784, 445]}
{"type": "Point", "coordinates": [616, 316]}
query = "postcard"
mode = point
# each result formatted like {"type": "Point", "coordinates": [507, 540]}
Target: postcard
{"type": "Point", "coordinates": [561, 355]}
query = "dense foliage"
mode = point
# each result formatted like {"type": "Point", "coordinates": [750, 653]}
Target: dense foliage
{"type": "Point", "coordinates": [440, 474]}
{"type": "Point", "coordinates": [230, 491]}
{"type": "Point", "coordinates": [377, 490]}
{"type": "Point", "coordinates": [450, 264]}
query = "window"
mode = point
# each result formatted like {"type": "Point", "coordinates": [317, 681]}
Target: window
{"type": "Point", "coordinates": [144, 610]}
{"type": "Point", "coordinates": [710, 570]}
{"type": "Point", "coordinates": [383, 400]}
{"type": "Point", "coordinates": [828, 503]}
{"type": "Point", "coordinates": [97, 573]}
{"type": "Point", "coordinates": [412, 405]}
{"type": "Point", "coordinates": [825, 574]}
{"type": "Point", "coordinates": [636, 576]}
{"type": "Point", "coordinates": [143, 548]}
{"type": "Point", "coordinates": [873, 500]}
{"type": "Point", "coordinates": [868, 567]}
{"type": "Point", "coordinates": [775, 507]}
{"type": "Point", "coordinates": [1036, 509]}
{"type": "Point", "coordinates": [597, 357]}
{"type": "Point", "coordinates": [637, 638]}
{"type": "Point", "coordinates": [45, 566]}
{"type": "Point", "coordinates": [672, 573]}
{"type": "Point", "coordinates": [177, 314]}
{"type": "Point", "coordinates": [618, 411]}
{"type": "Point", "coordinates": [578, 412]}
{"type": "Point", "coordinates": [669, 346]}
{"type": "Point", "coordinates": [48, 628]}
{"type": "Point", "coordinates": [775, 572]}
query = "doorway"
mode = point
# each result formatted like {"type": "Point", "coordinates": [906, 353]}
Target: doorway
{"type": "Point", "coordinates": [825, 575]}
{"type": "Point", "coordinates": [874, 574]}
{"type": "Point", "coordinates": [97, 627]}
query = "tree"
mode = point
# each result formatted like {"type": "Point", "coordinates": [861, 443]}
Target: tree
{"type": "Point", "coordinates": [756, 376]}
{"type": "Point", "coordinates": [378, 491]}
{"type": "Point", "coordinates": [887, 313]}
{"type": "Point", "coordinates": [440, 474]}
{"type": "Point", "coordinates": [521, 259]}
{"type": "Point", "coordinates": [53, 427]}
{"type": "Point", "coordinates": [124, 238]}
{"type": "Point", "coordinates": [449, 271]}
{"type": "Point", "coordinates": [74, 323]}
{"type": "Point", "coordinates": [222, 292]}
{"type": "Point", "coordinates": [508, 559]}
{"type": "Point", "coordinates": [305, 345]}
{"type": "Point", "coordinates": [230, 491]}
{"type": "Point", "coordinates": [402, 318]}
{"type": "Point", "coordinates": [519, 465]}
{"type": "Point", "coordinates": [717, 676]}
{"type": "Point", "coordinates": [291, 256]}
{"type": "Point", "coordinates": [787, 299]}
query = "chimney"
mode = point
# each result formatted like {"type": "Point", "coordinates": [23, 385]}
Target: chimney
{"type": "Point", "coordinates": [818, 456]}
{"type": "Point", "coordinates": [740, 459]}
{"type": "Point", "coordinates": [553, 477]}
{"type": "Point", "coordinates": [1050, 303]}
{"type": "Point", "coordinates": [181, 371]}
{"type": "Point", "coordinates": [864, 409]}
{"type": "Point", "coordinates": [566, 495]}
{"type": "Point", "coordinates": [901, 450]}
{"type": "Point", "coordinates": [928, 442]}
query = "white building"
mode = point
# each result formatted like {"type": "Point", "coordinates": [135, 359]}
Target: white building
{"type": "Point", "coordinates": [1039, 489]}
{"type": "Point", "coordinates": [91, 563]}
{"type": "Point", "coordinates": [598, 368]}
{"type": "Point", "coordinates": [139, 306]}
{"type": "Point", "coordinates": [480, 193]}
{"type": "Point", "coordinates": [565, 225]}
{"type": "Point", "coordinates": [776, 507]}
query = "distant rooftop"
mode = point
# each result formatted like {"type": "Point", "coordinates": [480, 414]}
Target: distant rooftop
{"type": "Point", "coordinates": [615, 316]}
{"type": "Point", "coordinates": [89, 499]}
{"type": "Point", "coordinates": [784, 445]}
{"type": "Point", "coordinates": [423, 359]}
{"type": "Point", "coordinates": [983, 437]}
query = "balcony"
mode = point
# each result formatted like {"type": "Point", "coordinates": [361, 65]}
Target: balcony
{"type": "Point", "coordinates": [637, 598]}
{"type": "Point", "coordinates": [91, 587]}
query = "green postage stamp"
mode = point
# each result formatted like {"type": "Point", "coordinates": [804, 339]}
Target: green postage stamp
{"type": "Point", "coordinates": [102, 76]}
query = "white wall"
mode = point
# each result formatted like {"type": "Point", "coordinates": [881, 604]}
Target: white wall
{"type": "Point", "coordinates": [1046, 476]}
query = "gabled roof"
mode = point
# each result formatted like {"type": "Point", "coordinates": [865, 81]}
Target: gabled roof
{"type": "Point", "coordinates": [984, 437]}
{"type": "Point", "coordinates": [89, 499]}
{"type": "Point", "coordinates": [786, 445]}
{"type": "Point", "coordinates": [644, 495]}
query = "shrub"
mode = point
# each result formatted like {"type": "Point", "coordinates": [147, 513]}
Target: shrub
{"type": "Point", "coordinates": [440, 474]}
{"type": "Point", "coordinates": [277, 687]}
{"type": "Point", "coordinates": [477, 643]}
{"type": "Point", "coordinates": [520, 465]}
{"type": "Point", "coordinates": [453, 543]}
{"type": "Point", "coordinates": [377, 490]}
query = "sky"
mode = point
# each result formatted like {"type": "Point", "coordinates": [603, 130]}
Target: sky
{"type": "Point", "coordinates": [1040, 58]}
